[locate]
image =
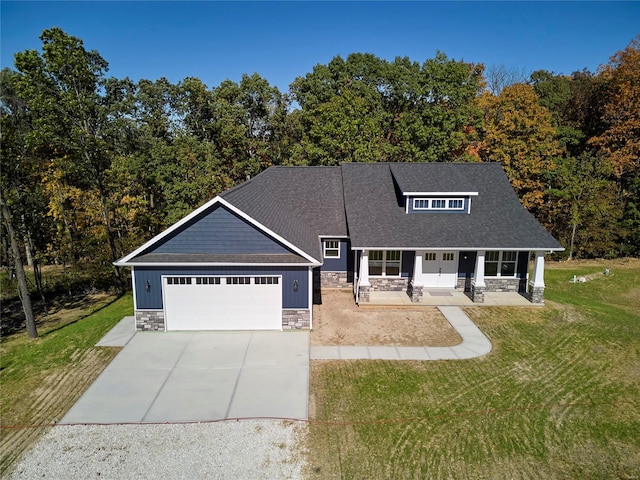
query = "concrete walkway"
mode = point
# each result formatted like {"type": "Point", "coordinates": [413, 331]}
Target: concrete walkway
{"type": "Point", "coordinates": [474, 344]}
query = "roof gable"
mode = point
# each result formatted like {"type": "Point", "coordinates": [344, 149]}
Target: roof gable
{"type": "Point", "coordinates": [218, 231]}
{"type": "Point", "coordinates": [196, 234]}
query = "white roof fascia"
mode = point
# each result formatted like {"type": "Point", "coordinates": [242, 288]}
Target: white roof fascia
{"type": "Point", "coordinates": [218, 199]}
{"type": "Point", "coordinates": [217, 264]}
{"type": "Point", "coordinates": [441, 194]}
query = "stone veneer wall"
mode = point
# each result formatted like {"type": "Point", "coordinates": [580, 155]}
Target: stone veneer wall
{"type": "Point", "coordinates": [150, 320]}
{"type": "Point", "coordinates": [497, 284]}
{"type": "Point", "coordinates": [293, 319]}
{"type": "Point", "coordinates": [334, 280]}
{"type": "Point", "coordinates": [388, 284]}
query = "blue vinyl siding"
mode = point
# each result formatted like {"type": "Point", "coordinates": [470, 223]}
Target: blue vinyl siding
{"type": "Point", "coordinates": [152, 300]}
{"type": "Point", "coordinates": [342, 264]}
{"type": "Point", "coordinates": [219, 232]}
{"type": "Point", "coordinates": [412, 210]}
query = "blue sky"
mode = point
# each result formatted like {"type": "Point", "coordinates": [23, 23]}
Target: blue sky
{"type": "Point", "coordinates": [215, 41]}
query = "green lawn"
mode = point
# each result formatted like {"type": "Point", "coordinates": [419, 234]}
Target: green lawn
{"type": "Point", "coordinates": [557, 398]}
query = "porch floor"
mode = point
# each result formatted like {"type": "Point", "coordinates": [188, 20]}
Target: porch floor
{"type": "Point", "coordinates": [445, 296]}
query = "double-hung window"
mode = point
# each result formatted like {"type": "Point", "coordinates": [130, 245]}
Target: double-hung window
{"type": "Point", "coordinates": [500, 264]}
{"type": "Point", "coordinates": [332, 249]}
{"type": "Point", "coordinates": [385, 263]}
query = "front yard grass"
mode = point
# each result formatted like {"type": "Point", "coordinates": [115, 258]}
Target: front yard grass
{"type": "Point", "coordinates": [42, 378]}
{"type": "Point", "coordinates": [557, 398]}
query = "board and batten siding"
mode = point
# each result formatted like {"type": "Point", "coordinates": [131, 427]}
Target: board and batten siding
{"type": "Point", "coordinates": [220, 231]}
{"type": "Point", "coordinates": [342, 264]}
{"type": "Point", "coordinates": [152, 300]}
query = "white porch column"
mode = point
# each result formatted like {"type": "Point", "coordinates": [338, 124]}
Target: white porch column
{"type": "Point", "coordinates": [417, 270]}
{"type": "Point", "coordinates": [538, 271]}
{"type": "Point", "coordinates": [478, 276]}
{"type": "Point", "coordinates": [364, 268]}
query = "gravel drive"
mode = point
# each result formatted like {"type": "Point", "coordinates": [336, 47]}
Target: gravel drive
{"type": "Point", "coordinates": [248, 449]}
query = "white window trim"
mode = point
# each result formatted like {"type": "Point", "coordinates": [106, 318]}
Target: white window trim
{"type": "Point", "coordinates": [384, 264]}
{"type": "Point", "coordinates": [499, 262]}
{"type": "Point", "coordinates": [324, 250]}
{"type": "Point", "coordinates": [445, 199]}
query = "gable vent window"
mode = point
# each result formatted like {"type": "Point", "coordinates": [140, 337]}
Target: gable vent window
{"type": "Point", "coordinates": [438, 204]}
{"type": "Point", "coordinates": [332, 249]}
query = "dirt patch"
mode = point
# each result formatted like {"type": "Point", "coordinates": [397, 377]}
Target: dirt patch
{"type": "Point", "coordinates": [339, 321]}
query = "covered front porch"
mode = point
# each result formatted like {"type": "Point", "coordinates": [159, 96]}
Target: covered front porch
{"type": "Point", "coordinates": [449, 277]}
{"type": "Point", "coordinates": [446, 297]}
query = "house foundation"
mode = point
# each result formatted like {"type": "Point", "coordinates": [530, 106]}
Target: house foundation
{"type": "Point", "coordinates": [296, 319]}
{"type": "Point", "coordinates": [334, 280]}
{"type": "Point", "coordinates": [150, 320]}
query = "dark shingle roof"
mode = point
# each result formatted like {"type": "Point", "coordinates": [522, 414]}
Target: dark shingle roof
{"type": "Point", "coordinates": [297, 203]}
{"type": "Point", "coordinates": [377, 219]}
{"type": "Point", "coordinates": [365, 201]}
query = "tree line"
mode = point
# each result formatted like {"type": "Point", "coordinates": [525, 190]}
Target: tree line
{"type": "Point", "coordinates": [92, 166]}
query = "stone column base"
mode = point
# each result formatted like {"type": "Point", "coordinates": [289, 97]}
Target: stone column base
{"type": "Point", "coordinates": [477, 294]}
{"type": "Point", "coordinates": [363, 293]}
{"type": "Point", "coordinates": [535, 294]}
{"type": "Point", "coordinates": [415, 292]}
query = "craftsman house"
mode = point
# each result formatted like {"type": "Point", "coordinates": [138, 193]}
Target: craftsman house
{"type": "Point", "coordinates": [252, 257]}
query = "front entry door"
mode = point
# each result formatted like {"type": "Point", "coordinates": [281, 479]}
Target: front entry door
{"type": "Point", "coordinates": [439, 269]}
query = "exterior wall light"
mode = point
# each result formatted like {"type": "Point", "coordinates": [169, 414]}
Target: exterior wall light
{"type": "Point", "coordinates": [147, 286]}
{"type": "Point", "coordinates": [295, 285]}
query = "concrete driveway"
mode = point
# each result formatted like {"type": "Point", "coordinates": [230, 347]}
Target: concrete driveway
{"type": "Point", "coordinates": [200, 376]}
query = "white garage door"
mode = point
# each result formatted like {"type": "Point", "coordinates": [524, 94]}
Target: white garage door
{"type": "Point", "coordinates": [223, 303]}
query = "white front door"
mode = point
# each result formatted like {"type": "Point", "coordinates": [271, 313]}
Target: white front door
{"type": "Point", "coordinates": [439, 269]}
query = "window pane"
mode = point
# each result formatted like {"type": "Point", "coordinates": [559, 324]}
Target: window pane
{"type": "Point", "coordinates": [393, 255]}
{"type": "Point", "coordinates": [430, 256]}
{"type": "Point", "coordinates": [491, 269]}
{"type": "Point", "coordinates": [438, 203]}
{"type": "Point", "coordinates": [455, 203]}
{"type": "Point", "coordinates": [375, 255]}
{"type": "Point", "coordinates": [509, 256]}
{"type": "Point", "coordinates": [492, 256]}
{"type": "Point", "coordinates": [508, 269]}
{"type": "Point", "coordinates": [420, 203]}
{"type": "Point", "coordinates": [375, 268]}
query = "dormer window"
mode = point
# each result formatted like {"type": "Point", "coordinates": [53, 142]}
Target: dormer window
{"type": "Point", "coordinates": [438, 203]}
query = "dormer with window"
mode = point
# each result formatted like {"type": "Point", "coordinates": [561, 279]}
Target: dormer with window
{"type": "Point", "coordinates": [438, 202]}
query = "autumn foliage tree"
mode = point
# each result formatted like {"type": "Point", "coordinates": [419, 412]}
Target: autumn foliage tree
{"type": "Point", "coordinates": [518, 134]}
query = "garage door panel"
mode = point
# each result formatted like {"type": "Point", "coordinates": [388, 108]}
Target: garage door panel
{"type": "Point", "coordinates": [223, 306]}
